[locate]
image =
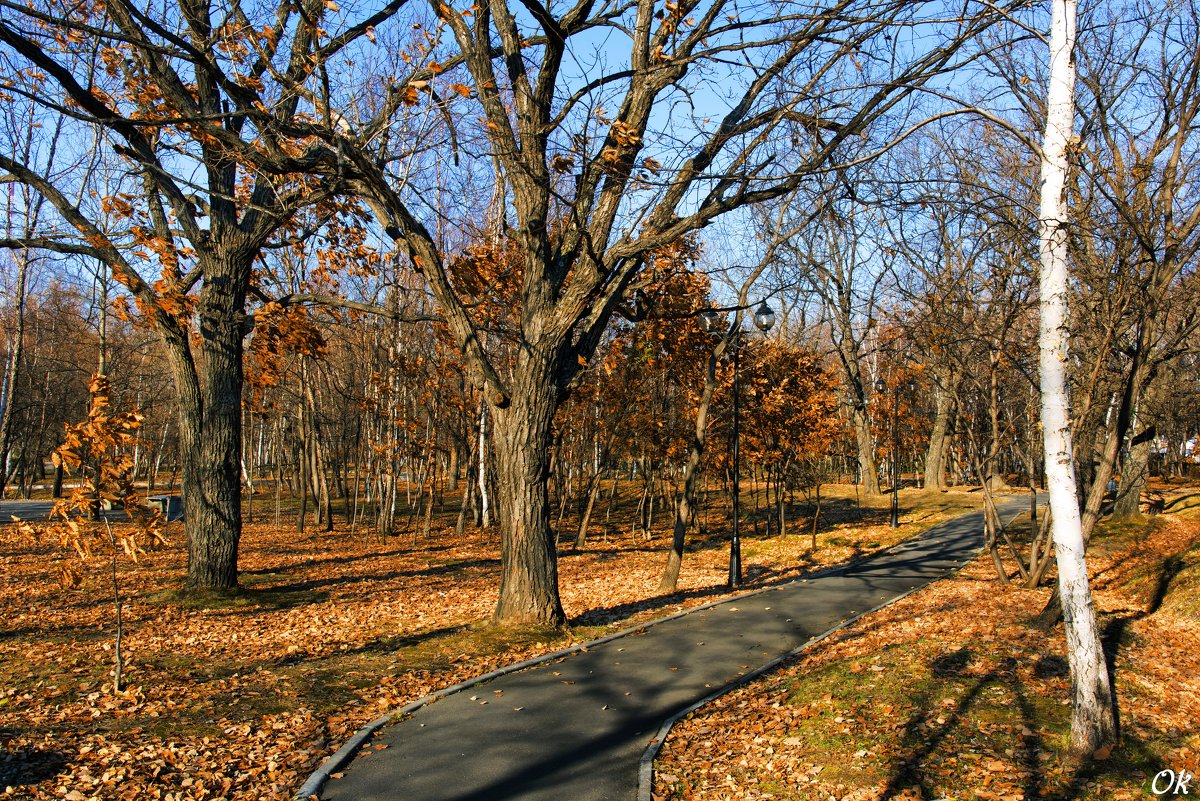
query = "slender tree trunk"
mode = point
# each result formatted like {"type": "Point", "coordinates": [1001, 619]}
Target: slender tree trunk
{"type": "Point", "coordinates": [1112, 436]}
{"type": "Point", "coordinates": [452, 468]}
{"type": "Point", "coordinates": [586, 518]}
{"type": "Point", "coordinates": [939, 436]}
{"type": "Point", "coordinates": [12, 371]}
{"type": "Point", "coordinates": [816, 518]}
{"type": "Point", "coordinates": [1093, 723]}
{"type": "Point", "coordinates": [521, 439]}
{"type": "Point", "coordinates": [302, 463]}
{"type": "Point", "coordinates": [481, 471]}
{"type": "Point", "coordinates": [685, 505]}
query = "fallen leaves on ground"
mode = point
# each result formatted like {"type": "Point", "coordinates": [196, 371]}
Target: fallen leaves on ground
{"type": "Point", "coordinates": [242, 697]}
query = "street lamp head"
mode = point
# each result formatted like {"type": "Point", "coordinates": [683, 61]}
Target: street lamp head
{"type": "Point", "coordinates": [711, 321]}
{"type": "Point", "coordinates": [764, 317]}
{"type": "Point", "coordinates": [880, 385]}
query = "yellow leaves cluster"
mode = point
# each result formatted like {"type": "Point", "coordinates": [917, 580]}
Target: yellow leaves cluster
{"type": "Point", "coordinates": [120, 204]}
{"type": "Point", "coordinates": [280, 331]}
{"type": "Point", "coordinates": [112, 58]}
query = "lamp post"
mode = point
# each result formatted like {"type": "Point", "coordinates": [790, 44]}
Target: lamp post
{"type": "Point", "coordinates": [880, 387]}
{"type": "Point", "coordinates": [712, 322]}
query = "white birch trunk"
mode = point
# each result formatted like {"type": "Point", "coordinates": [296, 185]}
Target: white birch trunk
{"type": "Point", "coordinates": [1092, 718]}
{"type": "Point", "coordinates": [483, 478]}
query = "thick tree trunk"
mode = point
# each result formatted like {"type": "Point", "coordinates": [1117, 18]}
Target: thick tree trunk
{"type": "Point", "coordinates": [939, 437]}
{"type": "Point", "coordinates": [521, 439]}
{"type": "Point", "coordinates": [210, 430]}
{"type": "Point", "coordinates": [1133, 481]}
{"type": "Point", "coordinates": [1093, 723]}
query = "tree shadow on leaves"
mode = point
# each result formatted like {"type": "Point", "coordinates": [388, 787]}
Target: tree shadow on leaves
{"type": "Point", "coordinates": [929, 727]}
{"type": "Point", "coordinates": [602, 615]}
{"type": "Point", "coordinates": [1116, 630]}
{"type": "Point", "coordinates": [25, 767]}
{"type": "Point", "coordinates": [449, 568]}
{"type": "Point", "coordinates": [1180, 502]}
{"type": "Point", "coordinates": [289, 549]}
{"type": "Point", "coordinates": [381, 645]}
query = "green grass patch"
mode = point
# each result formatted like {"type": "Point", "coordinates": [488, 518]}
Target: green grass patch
{"type": "Point", "coordinates": [889, 718]}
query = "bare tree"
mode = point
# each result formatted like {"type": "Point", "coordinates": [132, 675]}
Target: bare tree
{"type": "Point", "coordinates": [603, 168]}
{"type": "Point", "coordinates": [201, 108]}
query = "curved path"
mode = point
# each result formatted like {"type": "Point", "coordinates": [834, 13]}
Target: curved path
{"type": "Point", "coordinates": [575, 727]}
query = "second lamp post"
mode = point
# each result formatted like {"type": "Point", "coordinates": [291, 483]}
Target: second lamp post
{"type": "Point", "coordinates": [713, 323]}
{"type": "Point", "coordinates": [880, 387]}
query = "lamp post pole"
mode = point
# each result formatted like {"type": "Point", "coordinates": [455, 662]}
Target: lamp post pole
{"type": "Point", "coordinates": [896, 456]}
{"type": "Point", "coordinates": [712, 322]}
{"type": "Point", "coordinates": [735, 540]}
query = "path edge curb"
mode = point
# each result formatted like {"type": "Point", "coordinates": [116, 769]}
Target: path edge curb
{"type": "Point", "coordinates": [646, 764]}
{"type": "Point", "coordinates": [311, 789]}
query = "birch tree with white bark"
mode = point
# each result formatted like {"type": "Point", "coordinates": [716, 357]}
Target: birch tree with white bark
{"type": "Point", "coordinates": [1093, 724]}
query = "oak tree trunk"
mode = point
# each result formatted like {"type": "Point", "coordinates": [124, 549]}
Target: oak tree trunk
{"type": "Point", "coordinates": [1133, 481]}
{"type": "Point", "coordinates": [939, 438]}
{"type": "Point", "coordinates": [210, 428]}
{"type": "Point", "coordinates": [866, 453]}
{"type": "Point", "coordinates": [521, 440]}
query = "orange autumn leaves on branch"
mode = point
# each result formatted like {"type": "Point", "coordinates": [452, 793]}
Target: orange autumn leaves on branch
{"type": "Point", "coordinates": [790, 404]}
{"type": "Point", "coordinates": [98, 452]}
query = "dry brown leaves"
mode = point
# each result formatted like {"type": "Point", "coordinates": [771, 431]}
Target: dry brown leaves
{"type": "Point", "coordinates": [243, 700]}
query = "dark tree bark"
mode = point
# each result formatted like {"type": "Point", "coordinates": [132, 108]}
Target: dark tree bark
{"type": "Point", "coordinates": [1134, 470]}
{"type": "Point", "coordinates": [521, 437]}
{"type": "Point", "coordinates": [210, 432]}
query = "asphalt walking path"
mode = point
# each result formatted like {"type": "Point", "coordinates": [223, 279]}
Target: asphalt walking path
{"type": "Point", "coordinates": [575, 727]}
{"type": "Point", "coordinates": [40, 510]}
